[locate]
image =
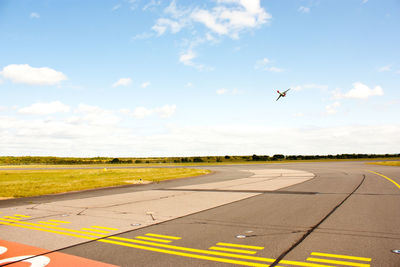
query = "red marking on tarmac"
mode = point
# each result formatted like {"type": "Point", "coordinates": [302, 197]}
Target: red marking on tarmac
{"type": "Point", "coordinates": [12, 252]}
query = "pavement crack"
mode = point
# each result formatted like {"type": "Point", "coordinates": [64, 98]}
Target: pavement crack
{"type": "Point", "coordinates": [316, 226]}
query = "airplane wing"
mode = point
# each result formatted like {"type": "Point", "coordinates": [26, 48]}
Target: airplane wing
{"type": "Point", "coordinates": [287, 90]}
{"type": "Point", "coordinates": [278, 97]}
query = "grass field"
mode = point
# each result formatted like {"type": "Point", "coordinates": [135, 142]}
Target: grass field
{"type": "Point", "coordinates": [386, 163]}
{"type": "Point", "coordinates": [25, 183]}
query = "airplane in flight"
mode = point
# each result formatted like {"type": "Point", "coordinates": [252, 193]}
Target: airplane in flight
{"type": "Point", "coordinates": [282, 94]}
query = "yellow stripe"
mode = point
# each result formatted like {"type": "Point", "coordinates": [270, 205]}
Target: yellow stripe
{"type": "Point", "coordinates": [52, 227]}
{"type": "Point", "coordinates": [58, 221]}
{"type": "Point", "coordinates": [48, 223]}
{"type": "Point", "coordinates": [10, 217]}
{"type": "Point", "coordinates": [339, 262]}
{"type": "Point", "coordinates": [239, 246]}
{"type": "Point", "coordinates": [340, 256]}
{"type": "Point", "coordinates": [233, 250]}
{"type": "Point", "coordinates": [50, 231]}
{"type": "Point", "coordinates": [183, 254]}
{"type": "Point", "coordinates": [154, 239]}
{"type": "Point", "coordinates": [383, 177]}
{"type": "Point", "coordinates": [102, 227]}
{"type": "Point", "coordinates": [95, 230]}
{"type": "Point", "coordinates": [164, 236]}
{"type": "Point", "coordinates": [23, 216]}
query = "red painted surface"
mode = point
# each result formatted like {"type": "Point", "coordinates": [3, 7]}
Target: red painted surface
{"type": "Point", "coordinates": [10, 251]}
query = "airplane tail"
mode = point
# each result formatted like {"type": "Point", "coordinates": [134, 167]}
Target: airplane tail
{"type": "Point", "coordinates": [278, 91]}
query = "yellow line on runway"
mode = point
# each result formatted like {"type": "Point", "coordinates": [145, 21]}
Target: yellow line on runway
{"type": "Point", "coordinates": [340, 256]}
{"type": "Point", "coordinates": [51, 227]}
{"type": "Point", "coordinates": [58, 221]}
{"type": "Point", "coordinates": [234, 250]}
{"type": "Point", "coordinates": [189, 255]}
{"type": "Point", "coordinates": [339, 262]}
{"type": "Point", "coordinates": [23, 216]}
{"type": "Point", "coordinates": [10, 217]}
{"type": "Point", "coordinates": [50, 223]}
{"type": "Point", "coordinates": [164, 236]}
{"type": "Point", "coordinates": [396, 184]}
{"type": "Point", "coordinates": [95, 230]}
{"type": "Point", "coordinates": [46, 230]}
{"type": "Point", "coordinates": [102, 227]}
{"type": "Point", "coordinates": [239, 246]}
{"type": "Point", "coordinates": [153, 239]}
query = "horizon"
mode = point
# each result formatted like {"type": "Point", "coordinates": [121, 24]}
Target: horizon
{"type": "Point", "coordinates": [177, 78]}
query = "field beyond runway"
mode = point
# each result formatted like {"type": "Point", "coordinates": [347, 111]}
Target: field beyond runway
{"type": "Point", "coordinates": [304, 214]}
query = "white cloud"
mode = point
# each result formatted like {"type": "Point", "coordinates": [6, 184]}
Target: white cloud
{"type": "Point", "coordinates": [151, 5]}
{"type": "Point", "coordinates": [26, 74]}
{"type": "Point", "coordinates": [332, 108]}
{"type": "Point", "coordinates": [189, 84]}
{"type": "Point", "coordinates": [261, 63]}
{"type": "Point", "coordinates": [274, 69]}
{"type": "Point", "coordinates": [163, 25]}
{"type": "Point", "coordinates": [45, 108]}
{"type": "Point", "coordinates": [118, 6]}
{"type": "Point", "coordinates": [221, 91]}
{"type": "Point", "coordinates": [385, 68]}
{"type": "Point", "coordinates": [364, 1]}
{"type": "Point", "coordinates": [360, 91]}
{"type": "Point", "coordinates": [93, 115]}
{"type": "Point", "coordinates": [186, 58]}
{"type": "Point", "coordinates": [304, 9]}
{"type": "Point", "coordinates": [165, 111]}
{"type": "Point", "coordinates": [122, 82]}
{"type": "Point", "coordinates": [142, 36]}
{"type": "Point", "coordinates": [34, 15]}
{"type": "Point", "coordinates": [145, 84]}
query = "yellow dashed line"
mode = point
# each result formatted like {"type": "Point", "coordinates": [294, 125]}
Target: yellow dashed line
{"type": "Point", "coordinates": [23, 216]}
{"type": "Point", "coordinates": [339, 262]}
{"type": "Point", "coordinates": [49, 223]}
{"type": "Point", "coordinates": [10, 217]}
{"type": "Point", "coordinates": [164, 236]}
{"type": "Point", "coordinates": [340, 256]}
{"type": "Point", "coordinates": [102, 227]}
{"type": "Point", "coordinates": [58, 221]}
{"type": "Point", "coordinates": [95, 230]}
{"type": "Point", "coordinates": [396, 184]}
{"type": "Point", "coordinates": [239, 246]}
{"type": "Point", "coordinates": [233, 250]}
{"type": "Point", "coordinates": [154, 239]}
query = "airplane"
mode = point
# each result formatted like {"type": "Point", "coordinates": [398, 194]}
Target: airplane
{"type": "Point", "coordinates": [282, 94]}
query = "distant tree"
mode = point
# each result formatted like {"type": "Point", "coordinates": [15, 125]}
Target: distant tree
{"type": "Point", "coordinates": [115, 160]}
{"type": "Point", "coordinates": [278, 156]}
{"type": "Point", "coordinates": [227, 157]}
{"type": "Point", "coordinates": [198, 159]}
{"type": "Point", "coordinates": [138, 161]}
{"type": "Point", "coordinates": [219, 159]}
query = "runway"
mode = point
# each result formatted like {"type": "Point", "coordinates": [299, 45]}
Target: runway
{"type": "Point", "coordinates": [298, 214]}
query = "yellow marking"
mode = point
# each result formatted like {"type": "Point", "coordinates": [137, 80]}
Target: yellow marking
{"type": "Point", "coordinates": [95, 230]}
{"type": "Point", "coordinates": [396, 184]}
{"type": "Point", "coordinates": [234, 250]}
{"type": "Point", "coordinates": [51, 227]}
{"type": "Point", "coordinates": [239, 246]}
{"type": "Point", "coordinates": [154, 239]}
{"type": "Point", "coordinates": [164, 236]}
{"type": "Point", "coordinates": [23, 216]}
{"type": "Point", "coordinates": [102, 227]}
{"type": "Point", "coordinates": [340, 256]}
{"type": "Point", "coordinates": [10, 217]}
{"type": "Point", "coordinates": [47, 230]}
{"type": "Point", "coordinates": [339, 262]}
{"type": "Point", "coordinates": [306, 264]}
{"type": "Point", "coordinates": [58, 221]}
{"type": "Point", "coordinates": [183, 254]}
{"type": "Point", "coordinates": [48, 223]}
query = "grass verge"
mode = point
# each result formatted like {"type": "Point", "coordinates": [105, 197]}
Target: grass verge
{"type": "Point", "coordinates": [386, 163]}
{"type": "Point", "coordinates": [26, 183]}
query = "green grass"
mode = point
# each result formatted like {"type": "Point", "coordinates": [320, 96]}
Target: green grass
{"type": "Point", "coordinates": [26, 183]}
{"type": "Point", "coordinates": [386, 163]}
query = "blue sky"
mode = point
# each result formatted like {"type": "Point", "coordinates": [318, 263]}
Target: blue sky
{"type": "Point", "coordinates": [185, 78]}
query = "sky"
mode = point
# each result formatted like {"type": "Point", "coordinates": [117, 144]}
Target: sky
{"type": "Point", "coordinates": [135, 78]}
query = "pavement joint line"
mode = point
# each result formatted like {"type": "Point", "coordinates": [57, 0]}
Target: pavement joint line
{"type": "Point", "coordinates": [233, 250]}
{"type": "Point", "coordinates": [153, 239]}
{"type": "Point", "coordinates": [340, 256]}
{"type": "Point", "coordinates": [239, 246]}
{"type": "Point", "coordinates": [95, 230]}
{"type": "Point", "coordinates": [346, 263]}
{"type": "Point", "coordinates": [105, 239]}
{"type": "Point", "coordinates": [387, 178]}
{"type": "Point", "coordinates": [164, 236]}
